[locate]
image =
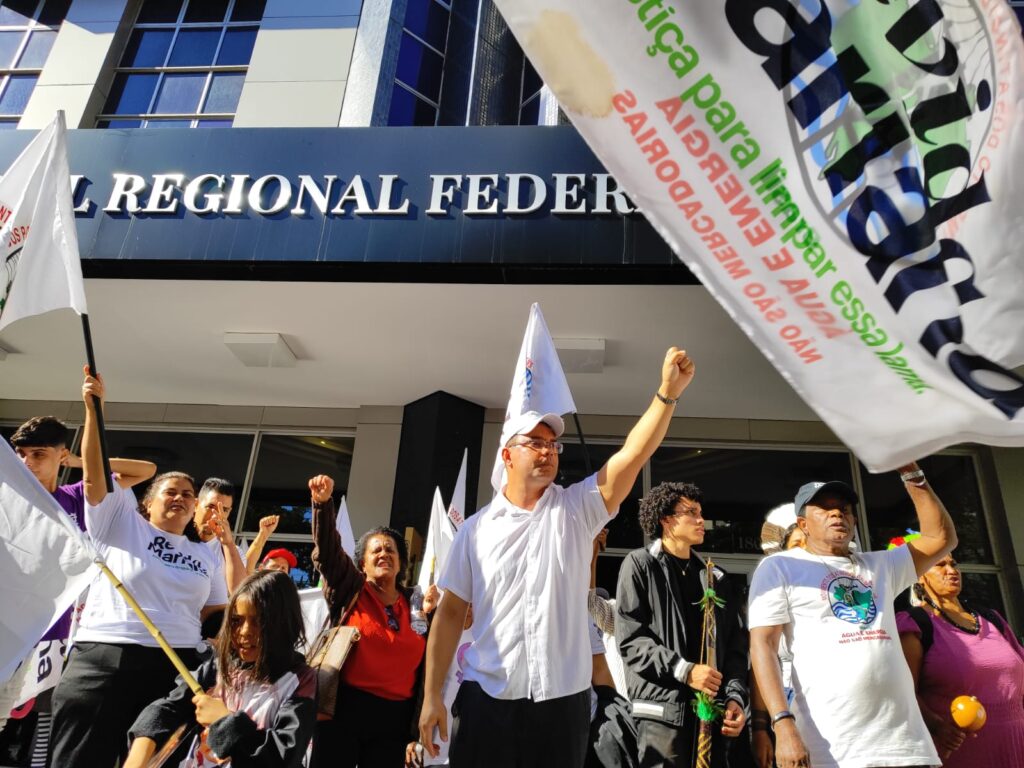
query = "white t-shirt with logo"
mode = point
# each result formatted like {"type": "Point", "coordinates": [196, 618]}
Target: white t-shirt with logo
{"type": "Point", "coordinates": [171, 577]}
{"type": "Point", "coordinates": [854, 696]}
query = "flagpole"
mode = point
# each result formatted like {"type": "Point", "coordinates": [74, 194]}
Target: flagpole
{"type": "Point", "coordinates": [179, 665]}
{"type": "Point", "coordinates": [583, 445]}
{"type": "Point", "coordinates": [90, 357]}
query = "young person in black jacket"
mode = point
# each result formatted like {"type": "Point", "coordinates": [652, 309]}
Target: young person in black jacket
{"type": "Point", "coordinates": [658, 626]}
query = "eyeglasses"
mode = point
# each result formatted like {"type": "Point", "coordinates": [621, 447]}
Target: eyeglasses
{"type": "Point", "coordinates": [392, 619]}
{"type": "Point", "coordinates": [538, 445]}
{"type": "Point", "coordinates": [689, 511]}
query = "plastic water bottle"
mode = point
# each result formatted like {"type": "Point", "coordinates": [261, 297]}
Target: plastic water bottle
{"type": "Point", "coordinates": [417, 618]}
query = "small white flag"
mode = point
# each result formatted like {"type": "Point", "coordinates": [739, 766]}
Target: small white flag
{"type": "Point", "coordinates": [457, 509]}
{"type": "Point", "coordinates": [314, 613]}
{"type": "Point", "coordinates": [40, 269]}
{"type": "Point", "coordinates": [440, 535]}
{"type": "Point", "coordinates": [538, 384]}
{"type": "Point", "coordinates": [45, 561]}
{"type": "Point", "coordinates": [344, 524]}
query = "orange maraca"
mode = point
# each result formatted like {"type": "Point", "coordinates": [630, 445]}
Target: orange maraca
{"type": "Point", "coordinates": [968, 713]}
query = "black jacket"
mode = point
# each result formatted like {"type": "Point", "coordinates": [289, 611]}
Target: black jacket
{"type": "Point", "coordinates": [651, 636]}
{"type": "Point", "coordinates": [283, 745]}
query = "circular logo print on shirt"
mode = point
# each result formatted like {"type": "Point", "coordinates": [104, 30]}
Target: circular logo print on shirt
{"type": "Point", "coordinates": [851, 600]}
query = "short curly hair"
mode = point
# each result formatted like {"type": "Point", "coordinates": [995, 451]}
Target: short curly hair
{"type": "Point", "coordinates": [661, 503]}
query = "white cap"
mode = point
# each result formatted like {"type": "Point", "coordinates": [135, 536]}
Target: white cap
{"type": "Point", "coordinates": [526, 422]}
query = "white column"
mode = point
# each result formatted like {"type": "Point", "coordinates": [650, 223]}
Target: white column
{"type": "Point", "coordinates": [300, 64]}
{"type": "Point", "coordinates": [75, 76]}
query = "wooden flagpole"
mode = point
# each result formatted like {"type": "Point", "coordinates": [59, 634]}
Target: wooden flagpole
{"type": "Point", "coordinates": [179, 665]}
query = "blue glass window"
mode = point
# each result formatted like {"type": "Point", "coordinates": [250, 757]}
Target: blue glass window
{"type": "Point", "coordinates": [195, 47]}
{"type": "Point", "coordinates": [224, 92]}
{"type": "Point", "coordinates": [531, 80]}
{"type": "Point", "coordinates": [131, 94]}
{"type": "Point", "coordinates": [407, 109]}
{"type": "Point", "coordinates": [180, 93]}
{"type": "Point", "coordinates": [206, 10]}
{"type": "Point", "coordinates": [119, 124]}
{"type": "Point", "coordinates": [530, 113]}
{"type": "Point", "coordinates": [16, 94]}
{"type": "Point", "coordinates": [39, 44]}
{"type": "Point", "coordinates": [8, 125]}
{"type": "Point", "coordinates": [248, 10]}
{"type": "Point", "coordinates": [147, 48]}
{"type": "Point", "coordinates": [53, 12]}
{"type": "Point", "coordinates": [237, 46]}
{"type": "Point", "coordinates": [419, 68]}
{"type": "Point", "coordinates": [214, 123]}
{"type": "Point", "coordinates": [159, 12]}
{"type": "Point", "coordinates": [168, 123]}
{"type": "Point", "coordinates": [17, 13]}
{"type": "Point", "coordinates": [428, 20]}
{"type": "Point", "coordinates": [9, 44]}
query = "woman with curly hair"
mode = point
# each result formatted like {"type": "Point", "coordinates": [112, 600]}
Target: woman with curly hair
{"type": "Point", "coordinates": [374, 723]}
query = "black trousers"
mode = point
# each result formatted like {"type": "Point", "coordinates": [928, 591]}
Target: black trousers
{"type": "Point", "coordinates": [669, 746]}
{"type": "Point", "coordinates": [518, 733]}
{"type": "Point", "coordinates": [367, 731]}
{"type": "Point", "coordinates": [103, 689]}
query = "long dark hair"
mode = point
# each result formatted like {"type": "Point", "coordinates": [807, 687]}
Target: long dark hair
{"type": "Point", "coordinates": [191, 532]}
{"type": "Point", "coordinates": [276, 600]}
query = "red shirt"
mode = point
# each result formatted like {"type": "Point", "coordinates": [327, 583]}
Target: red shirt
{"type": "Point", "coordinates": [384, 661]}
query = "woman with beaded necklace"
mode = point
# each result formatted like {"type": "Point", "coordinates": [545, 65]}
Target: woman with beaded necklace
{"type": "Point", "coordinates": [952, 651]}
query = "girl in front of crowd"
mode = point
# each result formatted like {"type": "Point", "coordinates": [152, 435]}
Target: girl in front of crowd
{"type": "Point", "coordinates": [261, 705]}
{"type": "Point", "coordinates": [374, 724]}
{"type": "Point", "coordinates": [116, 667]}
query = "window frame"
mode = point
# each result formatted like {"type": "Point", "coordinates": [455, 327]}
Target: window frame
{"type": "Point", "coordinates": [6, 73]}
{"type": "Point", "coordinates": [149, 117]}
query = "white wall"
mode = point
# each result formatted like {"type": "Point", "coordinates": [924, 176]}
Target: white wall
{"type": "Point", "coordinates": [300, 64]}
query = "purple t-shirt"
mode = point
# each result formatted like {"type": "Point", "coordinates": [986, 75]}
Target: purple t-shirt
{"type": "Point", "coordinates": [72, 499]}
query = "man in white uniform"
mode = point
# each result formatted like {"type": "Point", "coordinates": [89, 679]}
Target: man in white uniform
{"type": "Point", "coordinates": [854, 704]}
{"type": "Point", "coordinates": [523, 561]}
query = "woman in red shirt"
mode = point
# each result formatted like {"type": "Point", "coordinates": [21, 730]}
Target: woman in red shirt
{"type": "Point", "coordinates": [381, 684]}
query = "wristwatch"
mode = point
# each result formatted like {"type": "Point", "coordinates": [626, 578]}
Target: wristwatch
{"type": "Point", "coordinates": [666, 400]}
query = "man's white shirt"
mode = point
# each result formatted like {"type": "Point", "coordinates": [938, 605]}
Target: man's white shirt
{"type": "Point", "coordinates": [526, 573]}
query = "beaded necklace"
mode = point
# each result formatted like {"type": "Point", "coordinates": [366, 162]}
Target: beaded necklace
{"type": "Point", "coordinates": [940, 612]}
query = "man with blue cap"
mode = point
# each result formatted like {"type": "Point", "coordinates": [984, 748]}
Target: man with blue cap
{"type": "Point", "coordinates": [854, 704]}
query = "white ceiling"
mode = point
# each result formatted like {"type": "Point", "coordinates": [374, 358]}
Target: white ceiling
{"type": "Point", "coordinates": [161, 341]}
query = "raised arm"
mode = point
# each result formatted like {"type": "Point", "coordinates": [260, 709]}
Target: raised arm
{"type": "Point", "coordinates": [616, 478]}
{"type": "Point", "coordinates": [268, 525]}
{"type": "Point", "coordinates": [128, 472]}
{"type": "Point", "coordinates": [94, 480]}
{"type": "Point", "coordinates": [341, 578]}
{"type": "Point", "coordinates": [938, 534]}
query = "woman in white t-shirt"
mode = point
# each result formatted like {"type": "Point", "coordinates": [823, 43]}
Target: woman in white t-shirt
{"type": "Point", "coordinates": [116, 667]}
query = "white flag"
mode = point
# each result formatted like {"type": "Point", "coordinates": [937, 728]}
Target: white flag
{"type": "Point", "coordinates": [440, 535]}
{"type": "Point", "coordinates": [40, 269]}
{"type": "Point", "coordinates": [538, 383]}
{"type": "Point", "coordinates": [843, 177]}
{"type": "Point", "coordinates": [314, 613]}
{"type": "Point", "coordinates": [45, 561]}
{"type": "Point", "coordinates": [457, 508]}
{"type": "Point", "coordinates": [344, 524]}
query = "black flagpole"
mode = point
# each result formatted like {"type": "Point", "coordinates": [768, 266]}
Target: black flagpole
{"type": "Point", "coordinates": [583, 445]}
{"type": "Point", "coordinates": [91, 359]}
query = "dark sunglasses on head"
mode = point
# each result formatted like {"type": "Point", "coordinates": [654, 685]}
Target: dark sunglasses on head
{"type": "Point", "coordinates": [392, 619]}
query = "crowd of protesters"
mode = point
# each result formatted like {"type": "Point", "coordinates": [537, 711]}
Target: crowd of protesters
{"type": "Point", "coordinates": [814, 667]}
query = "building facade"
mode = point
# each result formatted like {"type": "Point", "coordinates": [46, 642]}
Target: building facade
{"type": "Point", "coordinates": [312, 231]}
